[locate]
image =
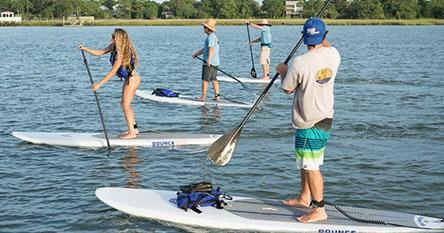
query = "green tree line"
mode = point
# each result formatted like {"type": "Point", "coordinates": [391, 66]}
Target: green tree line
{"type": "Point", "coordinates": [225, 9]}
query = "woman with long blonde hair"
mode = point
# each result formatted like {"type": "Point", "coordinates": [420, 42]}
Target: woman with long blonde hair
{"type": "Point", "coordinates": [123, 59]}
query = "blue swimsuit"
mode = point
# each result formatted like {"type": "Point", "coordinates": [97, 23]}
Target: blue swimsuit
{"type": "Point", "coordinates": [122, 72]}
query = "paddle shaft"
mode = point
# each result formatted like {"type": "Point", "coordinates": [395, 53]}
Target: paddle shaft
{"type": "Point", "coordinates": [264, 92]}
{"type": "Point", "coordinates": [224, 72]}
{"type": "Point", "coordinates": [251, 50]}
{"type": "Point", "coordinates": [97, 100]}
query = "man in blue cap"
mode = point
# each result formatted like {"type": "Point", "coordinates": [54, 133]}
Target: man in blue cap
{"type": "Point", "coordinates": [310, 77]}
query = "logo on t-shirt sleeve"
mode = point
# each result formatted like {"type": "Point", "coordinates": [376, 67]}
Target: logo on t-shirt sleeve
{"type": "Point", "coordinates": [324, 75]}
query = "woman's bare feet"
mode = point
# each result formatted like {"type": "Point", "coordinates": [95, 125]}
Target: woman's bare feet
{"type": "Point", "coordinates": [318, 214]}
{"type": "Point", "coordinates": [296, 202]}
{"type": "Point", "coordinates": [202, 98]}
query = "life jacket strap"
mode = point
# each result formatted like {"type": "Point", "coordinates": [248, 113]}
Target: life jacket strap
{"type": "Point", "coordinates": [195, 209]}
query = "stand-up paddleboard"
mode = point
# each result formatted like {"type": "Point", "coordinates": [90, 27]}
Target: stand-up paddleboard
{"type": "Point", "coordinates": [192, 100]}
{"type": "Point", "coordinates": [252, 214]}
{"type": "Point", "coordinates": [245, 80]}
{"type": "Point", "coordinates": [95, 140]}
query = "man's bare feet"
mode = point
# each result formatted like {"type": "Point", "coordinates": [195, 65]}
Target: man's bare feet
{"type": "Point", "coordinates": [202, 98]}
{"type": "Point", "coordinates": [296, 202]}
{"type": "Point", "coordinates": [216, 97]}
{"type": "Point", "coordinates": [318, 214]}
{"type": "Point", "coordinates": [128, 136]}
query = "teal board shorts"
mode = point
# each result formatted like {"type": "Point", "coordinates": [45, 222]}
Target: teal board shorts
{"type": "Point", "coordinates": [310, 144]}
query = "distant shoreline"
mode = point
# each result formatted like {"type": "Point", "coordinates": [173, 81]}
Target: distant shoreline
{"type": "Point", "coordinates": [233, 22]}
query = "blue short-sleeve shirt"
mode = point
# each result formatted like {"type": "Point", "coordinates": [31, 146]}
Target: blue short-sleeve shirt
{"type": "Point", "coordinates": [266, 36]}
{"type": "Point", "coordinates": [212, 42]}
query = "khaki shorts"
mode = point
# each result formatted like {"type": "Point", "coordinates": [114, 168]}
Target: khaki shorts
{"type": "Point", "coordinates": [265, 55]}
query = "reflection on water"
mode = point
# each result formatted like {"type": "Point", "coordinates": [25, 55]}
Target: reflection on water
{"type": "Point", "coordinates": [205, 168]}
{"type": "Point", "coordinates": [210, 116]}
{"type": "Point", "coordinates": [130, 161]}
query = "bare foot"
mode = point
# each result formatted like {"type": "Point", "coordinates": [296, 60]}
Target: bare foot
{"type": "Point", "coordinates": [296, 202]}
{"type": "Point", "coordinates": [202, 98]}
{"type": "Point", "coordinates": [128, 136]}
{"type": "Point", "coordinates": [136, 131]}
{"type": "Point", "coordinates": [318, 214]}
{"type": "Point", "coordinates": [216, 98]}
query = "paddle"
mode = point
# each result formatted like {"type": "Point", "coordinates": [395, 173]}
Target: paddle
{"type": "Point", "coordinates": [243, 85]}
{"type": "Point", "coordinates": [97, 100]}
{"type": "Point", "coordinates": [221, 151]}
{"type": "Point", "coordinates": [253, 71]}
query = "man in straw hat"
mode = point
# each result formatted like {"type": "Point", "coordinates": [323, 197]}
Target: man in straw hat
{"type": "Point", "coordinates": [210, 53]}
{"type": "Point", "coordinates": [265, 40]}
{"type": "Point", "coordinates": [311, 78]}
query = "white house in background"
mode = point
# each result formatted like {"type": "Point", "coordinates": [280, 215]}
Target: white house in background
{"type": "Point", "coordinates": [8, 16]}
{"type": "Point", "coordinates": [294, 8]}
{"type": "Point", "coordinates": [104, 8]}
{"type": "Point", "coordinates": [166, 14]}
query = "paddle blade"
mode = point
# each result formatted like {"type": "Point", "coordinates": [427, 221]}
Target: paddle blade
{"type": "Point", "coordinates": [221, 151]}
{"type": "Point", "coordinates": [253, 73]}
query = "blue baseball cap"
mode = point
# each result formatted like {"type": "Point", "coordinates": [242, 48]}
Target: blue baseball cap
{"type": "Point", "coordinates": [314, 31]}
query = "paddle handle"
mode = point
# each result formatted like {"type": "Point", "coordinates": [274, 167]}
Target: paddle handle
{"type": "Point", "coordinates": [267, 88]}
{"type": "Point", "coordinates": [97, 101]}
{"type": "Point", "coordinates": [249, 42]}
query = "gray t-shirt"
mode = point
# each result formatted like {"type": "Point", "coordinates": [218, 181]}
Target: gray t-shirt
{"type": "Point", "coordinates": [312, 76]}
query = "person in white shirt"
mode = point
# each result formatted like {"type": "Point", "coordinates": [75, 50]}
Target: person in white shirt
{"type": "Point", "coordinates": [311, 77]}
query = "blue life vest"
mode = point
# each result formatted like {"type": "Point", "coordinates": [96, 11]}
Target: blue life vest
{"type": "Point", "coordinates": [165, 92]}
{"type": "Point", "coordinates": [201, 194]}
{"type": "Point", "coordinates": [122, 72]}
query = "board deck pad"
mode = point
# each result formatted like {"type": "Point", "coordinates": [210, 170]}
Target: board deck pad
{"type": "Point", "coordinates": [149, 139]}
{"type": "Point", "coordinates": [254, 214]}
{"type": "Point", "coordinates": [273, 210]}
{"type": "Point", "coordinates": [192, 100]}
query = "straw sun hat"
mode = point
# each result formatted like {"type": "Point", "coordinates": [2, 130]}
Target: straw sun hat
{"type": "Point", "coordinates": [210, 24]}
{"type": "Point", "coordinates": [264, 22]}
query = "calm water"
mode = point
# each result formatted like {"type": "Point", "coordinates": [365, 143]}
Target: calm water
{"type": "Point", "coordinates": [385, 151]}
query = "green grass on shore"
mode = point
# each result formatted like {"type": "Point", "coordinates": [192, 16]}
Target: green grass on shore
{"type": "Point", "coordinates": [189, 22]}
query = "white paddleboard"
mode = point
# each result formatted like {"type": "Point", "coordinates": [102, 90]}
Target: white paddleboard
{"type": "Point", "coordinates": [191, 100]}
{"type": "Point", "coordinates": [247, 80]}
{"type": "Point", "coordinates": [98, 139]}
{"type": "Point", "coordinates": [259, 214]}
